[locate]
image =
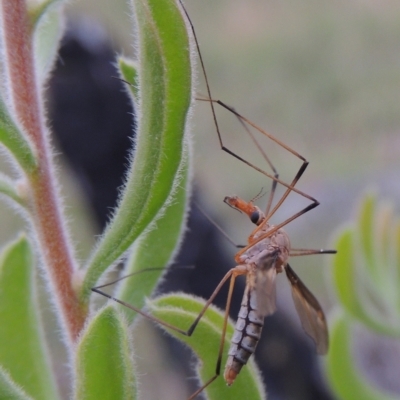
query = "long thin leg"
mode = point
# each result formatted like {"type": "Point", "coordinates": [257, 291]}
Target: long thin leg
{"type": "Point", "coordinates": [222, 342]}
{"type": "Point", "coordinates": [231, 274]}
{"type": "Point", "coordinates": [262, 131]}
{"type": "Point", "coordinates": [222, 146]}
{"type": "Point", "coordinates": [308, 252]}
{"type": "Point", "coordinates": [289, 188]}
{"type": "Point", "coordinates": [253, 241]}
{"type": "Point", "coordinates": [266, 158]}
{"type": "Point", "coordinates": [121, 278]}
{"type": "Point", "coordinates": [273, 138]}
{"type": "Point", "coordinates": [139, 311]}
{"type": "Point", "coordinates": [238, 270]}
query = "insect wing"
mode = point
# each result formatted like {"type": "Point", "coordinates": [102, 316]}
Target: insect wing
{"type": "Point", "coordinates": [310, 312]}
{"type": "Point", "coordinates": [266, 286]}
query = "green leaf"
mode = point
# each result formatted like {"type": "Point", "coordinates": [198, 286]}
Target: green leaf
{"type": "Point", "coordinates": [386, 285]}
{"type": "Point", "coordinates": [384, 238]}
{"type": "Point", "coordinates": [375, 238]}
{"type": "Point", "coordinates": [366, 233]}
{"type": "Point", "coordinates": [36, 9]}
{"type": "Point", "coordinates": [348, 286]}
{"type": "Point", "coordinates": [103, 363]}
{"type": "Point", "coordinates": [23, 353]}
{"type": "Point", "coordinates": [343, 374]}
{"type": "Point", "coordinates": [397, 261]}
{"type": "Point", "coordinates": [9, 389]}
{"type": "Point", "coordinates": [15, 141]}
{"type": "Point", "coordinates": [180, 310]}
{"type": "Point", "coordinates": [154, 250]}
{"type": "Point", "coordinates": [344, 274]}
{"type": "Point", "coordinates": [8, 188]}
{"type": "Point", "coordinates": [129, 72]}
{"type": "Point", "coordinates": [165, 89]}
{"type": "Point", "coordinates": [48, 25]}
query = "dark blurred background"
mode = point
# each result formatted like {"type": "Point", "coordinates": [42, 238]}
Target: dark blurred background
{"type": "Point", "coordinates": [322, 76]}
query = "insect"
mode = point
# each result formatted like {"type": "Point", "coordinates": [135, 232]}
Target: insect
{"type": "Point", "coordinates": [265, 255]}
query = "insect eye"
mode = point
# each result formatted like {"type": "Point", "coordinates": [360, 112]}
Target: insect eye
{"type": "Point", "coordinates": [255, 216]}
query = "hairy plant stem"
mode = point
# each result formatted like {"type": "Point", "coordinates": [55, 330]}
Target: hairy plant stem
{"type": "Point", "coordinates": [46, 209]}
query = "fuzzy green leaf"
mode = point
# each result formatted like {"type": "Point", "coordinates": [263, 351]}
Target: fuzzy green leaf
{"type": "Point", "coordinates": [155, 249]}
{"type": "Point", "coordinates": [343, 374]}
{"type": "Point", "coordinates": [8, 188]}
{"type": "Point", "coordinates": [344, 274]}
{"type": "Point", "coordinates": [180, 310]}
{"type": "Point", "coordinates": [349, 285]}
{"type": "Point", "coordinates": [48, 25]}
{"type": "Point", "coordinates": [129, 72]}
{"type": "Point", "coordinates": [384, 238]}
{"type": "Point", "coordinates": [366, 232]}
{"type": "Point", "coordinates": [103, 363]}
{"type": "Point", "coordinates": [397, 262]}
{"type": "Point", "coordinates": [374, 256]}
{"type": "Point", "coordinates": [15, 141]}
{"type": "Point", "coordinates": [36, 9]}
{"type": "Point", "coordinates": [386, 285]}
{"type": "Point", "coordinates": [22, 352]}
{"type": "Point", "coordinates": [165, 89]}
{"type": "Point", "coordinates": [9, 389]}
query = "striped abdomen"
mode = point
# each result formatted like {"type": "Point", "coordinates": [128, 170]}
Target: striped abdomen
{"type": "Point", "coordinates": [246, 336]}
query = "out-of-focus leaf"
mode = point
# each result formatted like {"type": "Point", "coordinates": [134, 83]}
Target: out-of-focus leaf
{"type": "Point", "coordinates": [366, 231]}
{"type": "Point", "coordinates": [22, 350]}
{"type": "Point", "coordinates": [36, 9]}
{"type": "Point", "coordinates": [387, 287]}
{"type": "Point", "coordinates": [180, 310]}
{"type": "Point", "coordinates": [348, 286]}
{"type": "Point", "coordinates": [384, 237]}
{"type": "Point", "coordinates": [104, 368]}
{"type": "Point", "coordinates": [15, 141]}
{"type": "Point", "coordinates": [10, 390]}
{"type": "Point", "coordinates": [48, 30]}
{"type": "Point", "coordinates": [343, 374]}
{"type": "Point", "coordinates": [8, 188]}
{"type": "Point", "coordinates": [396, 265]}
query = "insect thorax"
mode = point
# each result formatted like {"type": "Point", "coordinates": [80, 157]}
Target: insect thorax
{"type": "Point", "coordinates": [278, 243]}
